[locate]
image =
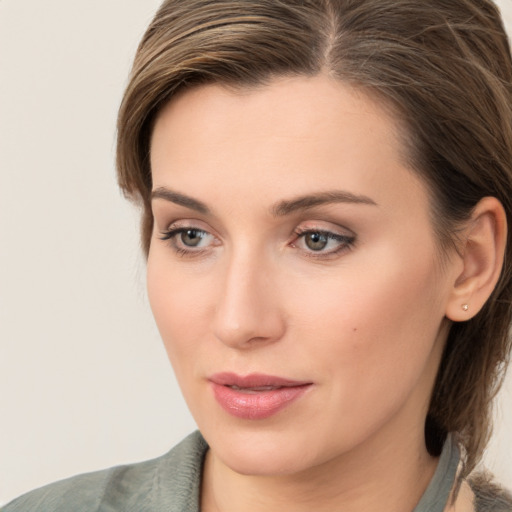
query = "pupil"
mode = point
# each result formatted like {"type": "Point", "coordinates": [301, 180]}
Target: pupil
{"type": "Point", "coordinates": [316, 241]}
{"type": "Point", "coordinates": [191, 237]}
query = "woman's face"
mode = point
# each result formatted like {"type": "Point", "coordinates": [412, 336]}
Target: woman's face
{"type": "Point", "coordinates": [293, 273]}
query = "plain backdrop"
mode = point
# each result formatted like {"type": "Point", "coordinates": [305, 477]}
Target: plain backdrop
{"type": "Point", "coordinates": [84, 379]}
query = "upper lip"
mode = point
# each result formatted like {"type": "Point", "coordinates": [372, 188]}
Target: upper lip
{"type": "Point", "coordinates": [254, 380]}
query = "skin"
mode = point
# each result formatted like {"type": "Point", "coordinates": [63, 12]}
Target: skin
{"type": "Point", "coordinates": [364, 322]}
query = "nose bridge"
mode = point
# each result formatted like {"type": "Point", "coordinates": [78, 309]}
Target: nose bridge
{"type": "Point", "coordinates": [248, 309]}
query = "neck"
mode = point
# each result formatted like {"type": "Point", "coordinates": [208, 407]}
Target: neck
{"type": "Point", "coordinates": [368, 479]}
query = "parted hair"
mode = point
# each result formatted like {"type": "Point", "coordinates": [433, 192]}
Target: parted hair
{"type": "Point", "coordinates": [443, 66]}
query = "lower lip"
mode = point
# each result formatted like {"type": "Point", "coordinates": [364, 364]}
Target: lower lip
{"type": "Point", "coordinates": [256, 405]}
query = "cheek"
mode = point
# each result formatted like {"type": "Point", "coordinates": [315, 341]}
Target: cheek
{"type": "Point", "coordinates": [375, 323]}
{"type": "Point", "coordinates": [178, 302]}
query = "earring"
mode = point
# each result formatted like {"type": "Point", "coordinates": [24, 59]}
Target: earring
{"type": "Point", "coordinates": [465, 307]}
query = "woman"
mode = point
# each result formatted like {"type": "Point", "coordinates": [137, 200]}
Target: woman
{"type": "Point", "coordinates": [326, 188]}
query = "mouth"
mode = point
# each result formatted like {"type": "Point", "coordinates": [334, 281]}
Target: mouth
{"type": "Point", "coordinates": [256, 389]}
{"type": "Point", "coordinates": [255, 396]}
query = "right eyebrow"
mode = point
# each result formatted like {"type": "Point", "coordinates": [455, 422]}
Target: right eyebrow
{"type": "Point", "coordinates": [179, 199]}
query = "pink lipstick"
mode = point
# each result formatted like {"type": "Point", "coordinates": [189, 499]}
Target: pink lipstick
{"type": "Point", "coordinates": [255, 396]}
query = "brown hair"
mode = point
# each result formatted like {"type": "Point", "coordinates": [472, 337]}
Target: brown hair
{"type": "Point", "coordinates": [444, 66]}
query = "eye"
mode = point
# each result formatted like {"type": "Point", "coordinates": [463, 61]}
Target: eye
{"type": "Point", "coordinates": [322, 243]}
{"type": "Point", "coordinates": [316, 241]}
{"type": "Point", "coordinates": [192, 237]}
{"type": "Point", "coordinates": [188, 240]}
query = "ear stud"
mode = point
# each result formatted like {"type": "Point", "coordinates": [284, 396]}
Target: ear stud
{"type": "Point", "coordinates": [465, 307]}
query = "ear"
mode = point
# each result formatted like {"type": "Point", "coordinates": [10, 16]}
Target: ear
{"type": "Point", "coordinates": [481, 253]}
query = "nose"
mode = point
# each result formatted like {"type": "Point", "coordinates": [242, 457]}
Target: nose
{"type": "Point", "coordinates": [248, 312]}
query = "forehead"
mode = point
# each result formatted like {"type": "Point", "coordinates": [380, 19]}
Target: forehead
{"type": "Point", "coordinates": [291, 106]}
{"type": "Point", "coordinates": [292, 136]}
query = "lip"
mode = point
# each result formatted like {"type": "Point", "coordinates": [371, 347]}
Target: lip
{"type": "Point", "coordinates": [255, 396]}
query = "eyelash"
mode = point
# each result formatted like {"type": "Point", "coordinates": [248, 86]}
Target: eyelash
{"type": "Point", "coordinates": [171, 234]}
{"type": "Point", "coordinates": [345, 242]}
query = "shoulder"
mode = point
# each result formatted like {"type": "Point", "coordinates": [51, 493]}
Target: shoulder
{"type": "Point", "coordinates": [489, 496]}
{"type": "Point", "coordinates": [145, 486]}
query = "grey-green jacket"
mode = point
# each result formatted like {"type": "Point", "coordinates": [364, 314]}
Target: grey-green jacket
{"type": "Point", "coordinates": [171, 483]}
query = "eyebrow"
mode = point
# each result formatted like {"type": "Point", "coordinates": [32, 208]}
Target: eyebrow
{"type": "Point", "coordinates": [281, 209]}
{"type": "Point", "coordinates": [306, 202]}
{"type": "Point", "coordinates": [180, 199]}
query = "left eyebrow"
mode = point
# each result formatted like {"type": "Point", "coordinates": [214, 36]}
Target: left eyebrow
{"type": "Point", "coordinates": [180, 199]}
{"type": "Point", "coordinates": [306, 202]}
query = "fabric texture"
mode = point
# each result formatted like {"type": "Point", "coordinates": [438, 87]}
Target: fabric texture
{"type": "Point", "coordinates": [436, 496]}
{"type": "Point", "coordinates": [489, 497]}
{"type": "Point", "coordinates": [172, 483]}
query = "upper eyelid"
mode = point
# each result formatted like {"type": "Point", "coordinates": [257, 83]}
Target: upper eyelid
{"type": "Point", "coordinates": [320, 229]}
{"type": "Point", "coordinates": [330, 234]}
{"type": "Point", "coordinates": [337, 230]}
{"type": "Point", "coordinates": [173, 231]}
{"type": "Point", "coordinates": [344, 242]}
{"type": "Point", "coordinates": [170, 237]}
{"type": "Point", "coordinates": [328, 255]}
{"type": "Point", "coordinates": [300, 229]}
{"type": "Point", "coordinates": [187, 224]}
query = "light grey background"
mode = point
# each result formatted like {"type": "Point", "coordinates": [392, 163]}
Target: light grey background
{"type": "Point", "coordinates": [84, 379]}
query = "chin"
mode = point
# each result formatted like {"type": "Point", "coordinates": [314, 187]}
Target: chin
{"type": "Point", "coordinates": [256, 463]}
{"type": "Point", "coordinates": [263, 452]}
